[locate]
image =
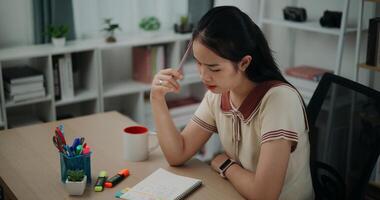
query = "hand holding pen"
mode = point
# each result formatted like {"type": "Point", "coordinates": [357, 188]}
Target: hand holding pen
{"type": "Point", "coordinates": [166, 80]}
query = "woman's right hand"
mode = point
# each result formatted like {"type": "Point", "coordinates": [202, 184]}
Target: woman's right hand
{"type": "Point", "coordinates": [165, 81]}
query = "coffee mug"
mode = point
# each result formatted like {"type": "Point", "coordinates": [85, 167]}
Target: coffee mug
{"type": "Point", "coordinates": [136, 143]}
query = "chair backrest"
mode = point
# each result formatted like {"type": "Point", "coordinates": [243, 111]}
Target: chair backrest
{"type": "Point", "coordinates": [344, 119]}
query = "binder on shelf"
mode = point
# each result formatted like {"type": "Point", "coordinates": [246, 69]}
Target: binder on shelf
{"type": "Point", "coordinates": [56, 79]}
{"type": "Point", "coordinates": [373, 52]}
{"type": "Point", "coordinates": [66, 77]}
{"type": "Point", "coordinates": [70, 82]}
{"type": "Point", "coordinates": [147, 61]}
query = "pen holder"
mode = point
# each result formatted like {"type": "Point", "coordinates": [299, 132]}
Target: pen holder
{"type": "Point", "coordinates": [78, 162]}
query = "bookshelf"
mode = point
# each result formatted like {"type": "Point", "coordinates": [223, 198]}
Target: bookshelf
{"type": "Point", "coordinates": [375, 177]}
{"type": "Point", "coordinates": [307, 87]}
{"type": "Point", "coordinates": [360, 65]}
{"type": "Point", "coordinates": [102, 78]}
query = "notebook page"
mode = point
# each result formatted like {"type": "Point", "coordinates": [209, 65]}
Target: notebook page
{"type": "Point", "coordinates": [162, 185]}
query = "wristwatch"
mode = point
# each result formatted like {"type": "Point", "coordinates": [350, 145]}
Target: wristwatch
{"type": "Point", "coordinates": [224, 166]}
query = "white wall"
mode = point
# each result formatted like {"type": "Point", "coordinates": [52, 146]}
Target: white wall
{"type": "Point", "coordinates": [311, 48]}
{"type": "Point", "coordinates": [16, 23]}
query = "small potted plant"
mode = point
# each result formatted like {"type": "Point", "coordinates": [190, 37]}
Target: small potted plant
{"type": "Point", "coordinates": [184, 26]}
{"type": "Point", "coordinates": [75, 182]}
{"type": "Point", "coordinates": [150, 25]}
{"type": "Point", "coordinates": [110, 29]}
{"type": "Point", "coordinates": [58, 34]}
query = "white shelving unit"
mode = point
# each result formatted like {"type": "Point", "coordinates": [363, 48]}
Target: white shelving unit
{"type": "Point", "coordinates": [359, 63]}
{"type": "Point", "coordinates": [305, 87]}
{"type": "Point", "coordinates": [104, 77]}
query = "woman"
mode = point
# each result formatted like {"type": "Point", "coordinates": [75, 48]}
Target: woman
{"type": "Point", "coordinates": [258, 115]}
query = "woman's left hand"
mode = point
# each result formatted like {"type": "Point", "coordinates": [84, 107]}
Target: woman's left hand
{"type": "Point", "coordinates": [218, 160]}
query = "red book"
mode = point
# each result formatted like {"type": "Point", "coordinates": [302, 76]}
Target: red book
{"type": "Point", "coordinates": [307, 72]}
{"type": "Point", "coordinates": [142, 64]}
{"type": "Point", "coordinates": [182, 102]}
{"type": "Point", "coordinates": [147, 61]}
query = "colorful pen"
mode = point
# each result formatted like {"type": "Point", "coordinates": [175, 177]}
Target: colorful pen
{"type": "Point", "coordinates": [121, 175]}
{"type": "Point", "coordinates": [99, 185]}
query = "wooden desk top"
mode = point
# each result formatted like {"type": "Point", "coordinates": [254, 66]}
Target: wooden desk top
{"type": "Point", "coordinates": [30, 168]}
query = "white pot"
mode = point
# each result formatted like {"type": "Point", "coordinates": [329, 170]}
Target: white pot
{"type": "Point", "coordinates": [76, 188]}
{"type": "Point", "coordinates": [59, 42]}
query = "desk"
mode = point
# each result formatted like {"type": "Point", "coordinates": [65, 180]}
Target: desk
{"type": "Point", "coordinates": [30, 169]}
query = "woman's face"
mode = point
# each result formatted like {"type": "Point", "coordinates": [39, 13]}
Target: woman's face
{"type": "Point", "coordinates": [218, 74]}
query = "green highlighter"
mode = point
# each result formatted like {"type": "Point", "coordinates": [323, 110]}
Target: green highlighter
{"type": "Point", "coordinates": [99, 185]}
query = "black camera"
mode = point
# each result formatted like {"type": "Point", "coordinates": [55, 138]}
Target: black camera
{"type": "Point", "coordinates": [331, 19]}
{"type": "Point", "coordinates": [296, 14]}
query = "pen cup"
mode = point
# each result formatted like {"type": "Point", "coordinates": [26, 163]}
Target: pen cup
{"type": "Point", "coordinates": [78, 162]}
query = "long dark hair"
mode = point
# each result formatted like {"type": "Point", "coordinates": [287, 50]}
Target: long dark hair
{"type": "Point", "coordinates": [231, 34]}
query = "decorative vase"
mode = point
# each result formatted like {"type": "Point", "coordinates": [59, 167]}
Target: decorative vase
{"type": "Point", "coordinates": [110, 38]}
{"type": "Point", "coordinates": [59, 42]}
{"type": "Point", "coordinates": [76, 188]}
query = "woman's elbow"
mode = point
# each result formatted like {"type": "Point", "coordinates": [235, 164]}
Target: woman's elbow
{"type": "Point", "coordinates": [175, 162]}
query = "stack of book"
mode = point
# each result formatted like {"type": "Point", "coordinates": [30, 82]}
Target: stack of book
{"type": "Point", "coordinates": [23, 83]}
{"type": "Point", "coordinates": [373, 45]}
{"type": "Point", "coordinates": [147, 61]}
{"type": "Point", "coordinates": [307, 72]}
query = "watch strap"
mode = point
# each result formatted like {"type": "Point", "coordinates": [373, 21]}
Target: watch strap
{"type": "Point", "coordinates": [224, 166]}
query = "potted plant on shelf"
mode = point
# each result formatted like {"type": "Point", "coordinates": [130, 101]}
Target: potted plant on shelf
{"type": "Point", "coordinates": [75, 182]}
{"type": "Point", "coordinates": [58, 34]}
{"type": "Point", "coordinates": [184, 26]}
{"type": "Point", "coordinates": [110, 29]}
{"type": "Point", "coordinates": [150, 25]}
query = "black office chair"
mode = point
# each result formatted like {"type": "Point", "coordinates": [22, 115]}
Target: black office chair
{"type": "Point", "coordinates": [344, 118]}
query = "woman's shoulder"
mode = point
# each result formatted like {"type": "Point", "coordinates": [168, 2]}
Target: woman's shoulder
{"type": "Point", "coordinates": [284, 93]}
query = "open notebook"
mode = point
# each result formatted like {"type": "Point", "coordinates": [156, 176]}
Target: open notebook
{"type": "Point", "coordinates": [162, 185]}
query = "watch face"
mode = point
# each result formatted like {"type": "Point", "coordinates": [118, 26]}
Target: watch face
{"type": "Point", "coordinates": [225, 164]}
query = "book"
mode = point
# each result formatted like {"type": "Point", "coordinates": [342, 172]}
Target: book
{"type": "Point", "coordinates": [56, 78]}
{"type": "Point", "coordinates": [14, 89]}
{"type": "Point", "coordinates": [147, 61]}
{"type": "Point", "coordinates": [306, 72]}
{"type": "Point", "coordinates": [70, 82]}
{"type": "Point", "coordinates": [161, 184]}
{"type": "Point", "coordinates": [26, 96]}
{"type": "Point", "coordinates": [372, 42]}
{"type": "Point", "coordinates": [65, 72]}
{"type": "Point", "coordinates": [24, 74]}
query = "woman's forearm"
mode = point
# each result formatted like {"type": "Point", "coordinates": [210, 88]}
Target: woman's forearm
{"type": "Point", "coordinates": [170, 140]}
{"type": "Point", "coordinates": [244, 182]}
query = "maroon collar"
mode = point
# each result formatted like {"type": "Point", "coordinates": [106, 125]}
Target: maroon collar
{"type": "Point", "coordinates": [252, 100]}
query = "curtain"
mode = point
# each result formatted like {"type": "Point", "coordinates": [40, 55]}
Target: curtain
{"type": "Point", "coordinates": [89, 15]}
{"type": "Point", "coordinates": [52, 12]}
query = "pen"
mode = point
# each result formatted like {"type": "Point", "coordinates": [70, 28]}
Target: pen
{"type": "Point", "coordinates": [79, 149]}
{"type": "Point", "coordinates": [61, 128]}
{"type": "Point", "coordinates": [180, 67]}
{"type": "Point", "coordinates": [86, 150]}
